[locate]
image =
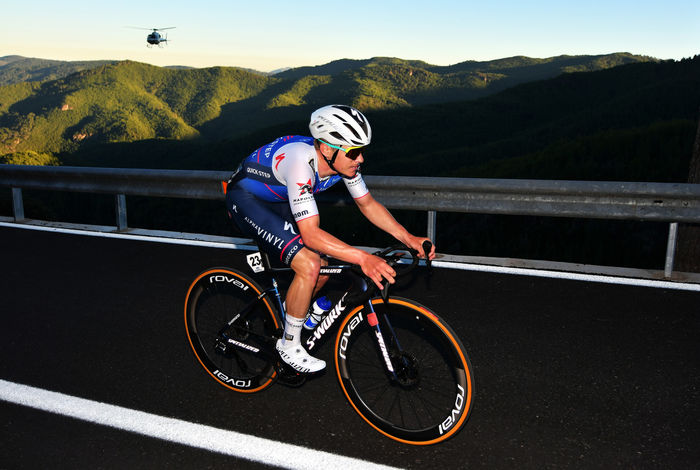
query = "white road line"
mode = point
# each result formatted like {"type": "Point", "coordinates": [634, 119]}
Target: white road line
{"type": "Point", "coordinates": [628, 281]}
{"type": "Point", "coordinates": [620, 280]}
{"type": "Point", "coordinates": [128, 236]}
{"type": "Point", "coordinates": [221, 441]}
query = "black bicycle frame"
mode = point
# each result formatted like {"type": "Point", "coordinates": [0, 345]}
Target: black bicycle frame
{"type": "Point", "coordinates": [326, 324]}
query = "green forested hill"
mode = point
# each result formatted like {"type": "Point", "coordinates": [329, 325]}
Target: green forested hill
{"type": "Point", "coordinates": [128, 101]}
{"type": "Point", "coordinates": [124, 102]}
{"type": "Point", "coordinates": [634, 123]}
{"type": "Point", "coordinates": [16, 69]}
{"type": "Point", "coordinates": [631, 123]}
{"type": "Point", "coordinates": [465, 80]}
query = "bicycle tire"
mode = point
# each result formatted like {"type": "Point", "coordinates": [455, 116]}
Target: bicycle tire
{"type": "Point", "coordinates": [216, 297]}
{"type": "Point", "coordinates": [433, 397]}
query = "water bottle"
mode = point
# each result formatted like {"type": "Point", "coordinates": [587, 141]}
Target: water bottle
{"type": "Point", "coordinates": [318, 310]}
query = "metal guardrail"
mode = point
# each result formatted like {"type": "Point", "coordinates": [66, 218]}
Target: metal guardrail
{"type": "Point", "coordinates": [590, 199]}
{"type": "Point", "coordinates": [665, 202]}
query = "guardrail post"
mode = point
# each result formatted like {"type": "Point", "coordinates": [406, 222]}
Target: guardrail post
{"type": "Point", "coordinates": [120, 200]}
{"type": "Point", "coordinates": [17, 204]}
{"type": "Point", "coordinates": [670, 249]}
{"type": "Point", "coordinates": [432, 222]}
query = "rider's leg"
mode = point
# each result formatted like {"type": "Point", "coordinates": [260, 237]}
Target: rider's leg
{"type": "Point", "coordinates": [306, 265]}
{"type": "Point", "coordinates": [281, 239]}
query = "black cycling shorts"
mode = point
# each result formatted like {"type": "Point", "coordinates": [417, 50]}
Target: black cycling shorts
{"type": "Point", "coordinates": [271, 224]}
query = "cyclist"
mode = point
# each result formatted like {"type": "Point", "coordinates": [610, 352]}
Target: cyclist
{"type": "Point", "coordinates": [270, 197]}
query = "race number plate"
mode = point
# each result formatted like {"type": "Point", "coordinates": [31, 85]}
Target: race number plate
{"type": "Point", "coordinates": [255, 262]}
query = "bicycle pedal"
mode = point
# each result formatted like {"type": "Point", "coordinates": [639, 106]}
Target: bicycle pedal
{"type": "Point", "coordinates": [286, 375]}
{"type": "Point", "coordinates": [220, 346]}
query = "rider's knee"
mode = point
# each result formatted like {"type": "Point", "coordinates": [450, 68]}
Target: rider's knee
{"type": "Point", "coordinates": [308, 264]}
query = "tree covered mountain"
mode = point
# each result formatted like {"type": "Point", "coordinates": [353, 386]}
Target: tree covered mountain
{"type": "Point", "coordinates": [630, 123]}
{"type": "Point", "coordinates": [130, 101]}
{"type": "Point", "coordinates": [17, 69]}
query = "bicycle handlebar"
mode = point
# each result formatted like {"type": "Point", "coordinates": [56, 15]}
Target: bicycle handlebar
{"type": "Point", "coordinates": [386, 253]}
{"type": "Point", "coordinates": [389, 255]}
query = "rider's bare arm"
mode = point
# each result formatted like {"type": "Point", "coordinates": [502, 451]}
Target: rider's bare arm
{"type": "Point", "coordinates": [319, 240]}
{"type": "Point", "coordinates": [382, 218]}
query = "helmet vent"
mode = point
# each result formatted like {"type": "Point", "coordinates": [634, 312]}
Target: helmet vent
{"type": "Point", "coordinates": [351, 129]}
{"type": "Point", "coordinates": [337, 135]}
{"type": "Point", "coordinates": [340, 117]}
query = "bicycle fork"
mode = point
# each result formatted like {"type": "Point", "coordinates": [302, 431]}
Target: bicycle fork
{"type": "Point", "coordinates": [381, 343]}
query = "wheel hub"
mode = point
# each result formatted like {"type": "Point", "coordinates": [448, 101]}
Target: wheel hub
{"type": "Point", "coordinates": [406, 369]}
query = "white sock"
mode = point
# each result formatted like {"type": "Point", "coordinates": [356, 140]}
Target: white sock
{"type": "Point", "coordinates": [292, 331]}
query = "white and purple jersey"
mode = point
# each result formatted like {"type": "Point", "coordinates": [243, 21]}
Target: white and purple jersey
{"type": "Point", "coordinates": [274, 188]}
{"type": "Point", "coordinates": [287, 170]}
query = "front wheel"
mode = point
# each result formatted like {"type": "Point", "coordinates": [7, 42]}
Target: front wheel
{"type": "Point", "coordinates": [428, 396]}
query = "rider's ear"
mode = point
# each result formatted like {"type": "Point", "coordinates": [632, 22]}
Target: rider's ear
{"type": "Point", "coordinates": [326, 151]}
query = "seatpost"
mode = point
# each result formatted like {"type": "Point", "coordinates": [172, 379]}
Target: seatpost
{"type": "Point", "coordinates": [269, 272]}
{"type": "Point", "coordinates": [265, 260]}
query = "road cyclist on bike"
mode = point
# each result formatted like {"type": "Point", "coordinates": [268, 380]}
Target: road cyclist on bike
{"type": "Point", "coordinates": [270, 198]}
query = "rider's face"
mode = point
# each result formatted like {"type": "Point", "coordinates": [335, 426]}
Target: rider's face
{"type": "Point", "coordinates": [343, 164]}
{"type": "Point", "coordinates": [348, 166]}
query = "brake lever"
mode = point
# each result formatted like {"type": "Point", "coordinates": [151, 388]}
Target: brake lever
{"type": "Point", "coordinates": [385, 292]}
{"type": "Point", "coordinates": [427, 246]}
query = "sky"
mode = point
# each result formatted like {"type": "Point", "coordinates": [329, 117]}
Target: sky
{"type": "Point", "coordinates": [269, 35]}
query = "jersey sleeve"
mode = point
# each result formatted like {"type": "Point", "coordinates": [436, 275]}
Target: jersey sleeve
{"type": "Point", "coordinates": [300, 179]}
{"type": "Point", "coordinates": [356, 186]}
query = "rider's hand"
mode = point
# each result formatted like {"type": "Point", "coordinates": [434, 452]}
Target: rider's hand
{"type": "Point", "coordinates": [377, 269]}
{"type": "Point", "coordinates": [417, 244]}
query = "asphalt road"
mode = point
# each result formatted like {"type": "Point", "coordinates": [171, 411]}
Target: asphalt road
{"type": "Point", "coordinates": [568, 374]}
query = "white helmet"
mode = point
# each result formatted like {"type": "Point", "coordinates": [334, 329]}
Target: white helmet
{"type": "Point", "coordinates": [338, 124]}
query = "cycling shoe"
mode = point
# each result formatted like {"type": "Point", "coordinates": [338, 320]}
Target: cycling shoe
{"type": "Point", "coordinates": [299, 359]}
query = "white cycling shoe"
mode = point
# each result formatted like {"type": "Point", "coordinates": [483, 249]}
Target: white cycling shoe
{"type": "Point", "coordinates": [299, 359]}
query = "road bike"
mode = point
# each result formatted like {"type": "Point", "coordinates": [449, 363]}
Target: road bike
{"type": "Point", "coordinates": [401, 367]}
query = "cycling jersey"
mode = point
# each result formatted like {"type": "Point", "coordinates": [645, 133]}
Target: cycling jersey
{"type": "Point", "coordinates": [287, 170]}
{"type": "Point", "coordinates": [274, 188]}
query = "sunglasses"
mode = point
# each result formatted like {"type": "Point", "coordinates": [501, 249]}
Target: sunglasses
{"type": "Point", "coordinates": [352, 153]}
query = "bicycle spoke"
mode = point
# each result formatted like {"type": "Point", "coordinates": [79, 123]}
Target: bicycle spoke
{"type": "Point", "coordinates": [373, 365]}
{"type": "Point", "coordinates": [414, 409]}
{"type": "Point", "coordinates": [393, 402]}
{"type": "Point", "coordinates": [401, 414]}
{"type": "Point", "coordinates": [380, 385]}
{"type": "Point", "coordinates": [385, 389]}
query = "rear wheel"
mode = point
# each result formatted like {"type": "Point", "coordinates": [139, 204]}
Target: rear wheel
{"type": "Point", "coordinates": [232, 330]}
{"type": "Point", "coordinates": [429, 396]}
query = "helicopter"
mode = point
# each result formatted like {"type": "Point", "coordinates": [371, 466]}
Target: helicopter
{"type": "Point", "coordinates": [155, 38]}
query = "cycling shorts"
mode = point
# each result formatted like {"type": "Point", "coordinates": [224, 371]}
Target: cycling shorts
{"type": "Point", "coordinates": [270, 224]}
